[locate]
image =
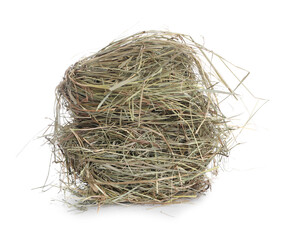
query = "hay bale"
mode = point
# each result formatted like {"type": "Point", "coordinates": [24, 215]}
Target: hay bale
{"type": "Point", "coordinates": [142, 122]}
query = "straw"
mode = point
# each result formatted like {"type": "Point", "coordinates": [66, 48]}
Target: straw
{"type": "Point", "coordinates": [139, 122]}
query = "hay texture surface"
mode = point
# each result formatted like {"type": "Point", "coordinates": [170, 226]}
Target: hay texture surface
{"type": "Point", "coordinates": [139, 122]}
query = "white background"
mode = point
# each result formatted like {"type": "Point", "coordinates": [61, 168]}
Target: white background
{"type": "Point", "coordinates": [250, 199]}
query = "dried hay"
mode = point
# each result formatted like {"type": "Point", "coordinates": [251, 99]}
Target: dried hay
{"type": "Point", "coordinates": [140, 121]}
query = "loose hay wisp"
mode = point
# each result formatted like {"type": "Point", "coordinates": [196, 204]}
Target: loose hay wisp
{"type": "Point", "coordinates": [140, 122]}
